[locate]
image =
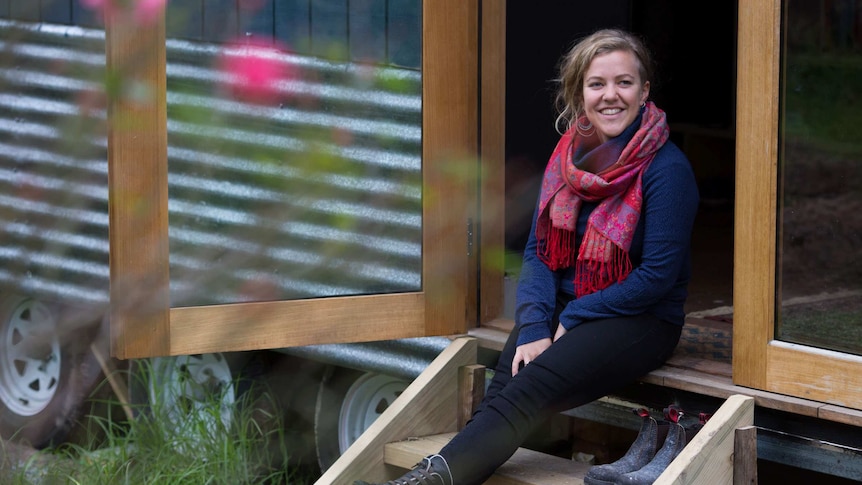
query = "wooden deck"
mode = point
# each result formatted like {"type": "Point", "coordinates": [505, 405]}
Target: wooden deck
{"type": "Point", "coordinates": [728, 447]}
{"type": "Point", "coordinates": [702, 365]}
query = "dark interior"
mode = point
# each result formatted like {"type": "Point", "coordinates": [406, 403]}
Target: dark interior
{"type": "Point", "coordinates": [695, 85]}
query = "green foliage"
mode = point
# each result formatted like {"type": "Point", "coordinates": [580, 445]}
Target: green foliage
{"type": "Point", "coordinates": [824, 98]}
{"type": "Point", "coordinates": [150, 449]}
{"type": "Point", "coordinates": [830, 324]}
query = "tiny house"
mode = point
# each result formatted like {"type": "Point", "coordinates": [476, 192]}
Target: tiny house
{"type": "Point", "coordinates": [378, 195]}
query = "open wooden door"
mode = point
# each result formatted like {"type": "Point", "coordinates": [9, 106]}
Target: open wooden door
{"type": "Point", "coordinates": [147, 319]}
{"type": "Point", "coordinates": [797, 299]}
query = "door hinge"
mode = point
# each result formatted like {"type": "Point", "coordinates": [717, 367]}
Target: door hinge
{"type": "Point", "coordinates": [469, 237]}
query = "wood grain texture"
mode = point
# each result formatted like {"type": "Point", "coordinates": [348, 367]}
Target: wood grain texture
{"type": "Point", "coordinates": [471, 390]}
{"type": "Point", "coordinates": [815, 374]}
{"type": "Point", "coordinates": [840, 414]}
{"type": "Point", "coordinates": [266, 325]}
{"type": "Point", "coordinates": [759, 361]}
{"type": "Point", "coordinates": [449, 157]}
{"type": "Point", "coordinates": [713, 378]}
{"type": "Point", "coordinates": [745, 456]}
{"type": "Point", "coordinates": [138, 186]}
{"type": "Point", "coordinates": [145, 326]}
{"type": "Point", "coordinates": [708, 458]}
{"type": "Point", "coordinates": [493, 161]}
{"type": "Point", "coordinates": [428, 406]}
{"type": "Point", "coordinates": [756, 179]}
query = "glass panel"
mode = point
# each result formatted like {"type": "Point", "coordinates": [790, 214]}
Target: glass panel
{"type": "Point", "coordinates": [294, 170]}
{"type": "Point", "coordinates": [820, 268]}
{"type": "Point", "coordinates": [53, 167]}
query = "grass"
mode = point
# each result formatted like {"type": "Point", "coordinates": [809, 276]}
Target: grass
{"type": "Point", "coordinates": [831, 324]}
{"type": "Point", "coordinates": [161, 446]}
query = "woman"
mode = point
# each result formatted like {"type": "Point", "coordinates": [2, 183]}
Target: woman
{"type": "Point", "coordinates": [601, 293]}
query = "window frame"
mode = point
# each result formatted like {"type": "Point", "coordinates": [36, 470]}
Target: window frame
{"type": "Point", "coordinates": [142, 322]}
{"type": "Point", "coordinates": [760, 360]}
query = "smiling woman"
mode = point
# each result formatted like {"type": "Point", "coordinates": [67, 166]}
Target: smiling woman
{"type": "Point", "coordinates": [603, 282]}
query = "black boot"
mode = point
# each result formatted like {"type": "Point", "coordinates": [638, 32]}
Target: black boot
{"type": "Point", "coordinates": [432, 470]}
{"type": "Point", "coordinates": [673, 445]}
{"type": "Point", "coordinates": [638, 455]}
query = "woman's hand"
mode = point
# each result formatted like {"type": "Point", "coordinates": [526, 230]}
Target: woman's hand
{"type": "Point", "coordinates": [561, 330]}
{"type": "Point", "coordinates": [528, 352]}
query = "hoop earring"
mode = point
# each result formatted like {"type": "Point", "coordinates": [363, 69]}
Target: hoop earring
{"type": "Point", "coordinates": [643, 104]}
{"type": "Point", "coordinates": [584, 130]}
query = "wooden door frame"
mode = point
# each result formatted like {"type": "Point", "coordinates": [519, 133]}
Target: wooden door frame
{"type": "Point", "coordinates": [759, 360]}
{"type": "Point", "coordinates": [492, 175]}
{"type": "Point", "coordinates": [142, 322]}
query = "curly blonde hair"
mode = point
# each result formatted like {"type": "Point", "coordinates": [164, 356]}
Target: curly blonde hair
{"type": "Point", "coordinates": [574, 64]}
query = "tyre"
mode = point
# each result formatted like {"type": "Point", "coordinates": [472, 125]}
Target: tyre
{"type": "Point", "coordinates": [44, 380]}
{"type": "Point", "coordinates": [348, 402]}
{"type": "Point", "coordinates": [193, 395]}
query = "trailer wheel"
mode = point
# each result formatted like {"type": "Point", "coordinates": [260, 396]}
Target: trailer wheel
{"type": "Point", "coordinates": [348, 402]}
{"type": "Point", "coordinates": [185, 390]}
{"type": "Point", "coordinates": [43, 380]}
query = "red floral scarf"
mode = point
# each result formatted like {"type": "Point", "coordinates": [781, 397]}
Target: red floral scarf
{"type": "Point", "coordinates": [603, 256]}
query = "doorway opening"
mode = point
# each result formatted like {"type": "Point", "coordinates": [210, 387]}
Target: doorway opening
{"type": "Point", "coordinates": [695, 85]}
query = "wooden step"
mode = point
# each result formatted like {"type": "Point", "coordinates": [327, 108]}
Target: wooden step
{"type": "Point", "coordinates": [525, 467]}
{"type": "Point", "coordinates": [431, 408]}
{"type": "Point", "coordinates": [708, 458]}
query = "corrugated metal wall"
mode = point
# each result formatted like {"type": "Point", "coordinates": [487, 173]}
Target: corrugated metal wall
{"type": "Point", "coordinates": [386, 32]}
{"type": "Point", "coordinates": [316, 195]}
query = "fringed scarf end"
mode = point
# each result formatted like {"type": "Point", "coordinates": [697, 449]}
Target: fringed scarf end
{"type": "Point", "coordinates": [559, 248]}
{"type": "Point", "coordinates": [592, 275]}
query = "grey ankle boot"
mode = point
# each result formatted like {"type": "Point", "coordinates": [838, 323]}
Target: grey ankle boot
{"type": "Point", "coordinates": [673, 445]}
{"type": "Point", "coordinates": [638, 455]}
{"type": "Point", "coordinates": [432, 470]}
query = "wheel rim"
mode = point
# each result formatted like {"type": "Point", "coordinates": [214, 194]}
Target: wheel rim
{"type": "Point", "coordinates": [186, 388]}
{"type": "Point", "coordinates": [30, 370]}
{"type": "Point", "coordinates": [364, 402]}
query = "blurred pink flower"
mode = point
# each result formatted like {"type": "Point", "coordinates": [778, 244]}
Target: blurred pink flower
{"type": "Point", "coordinates": [253, 71]}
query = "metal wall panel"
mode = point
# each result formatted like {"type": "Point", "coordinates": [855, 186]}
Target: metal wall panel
{"type": "Point", "coordinates": [329, 35]}
{"type": "Point", "coordinates": [367, 26]}
{"type": "Point", "coordinates": [56, 11]}
{"type": "Point", "coordinates": [185, 19]}
{"type": "Point", "coordinates": [292, 24]}
{"type": "Point", "coordinates": [53, 175]}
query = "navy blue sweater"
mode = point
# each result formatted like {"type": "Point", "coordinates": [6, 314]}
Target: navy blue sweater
{"type": "Point", "coordinates": [660, 256]}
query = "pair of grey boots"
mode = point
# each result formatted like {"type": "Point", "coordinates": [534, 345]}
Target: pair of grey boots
{"type": "Point", "coordinates": [645, 460]}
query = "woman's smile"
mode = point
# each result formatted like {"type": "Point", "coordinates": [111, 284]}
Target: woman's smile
{"type": "Point", "coordinates": [613, 93]}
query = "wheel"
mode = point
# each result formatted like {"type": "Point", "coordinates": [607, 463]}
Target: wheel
{"type": "Point", "coordinates": [187, 389]}
{"type": "Point", "coordinates": [348, 402]}
{"type": "Point", "coordinates": [43, 380]}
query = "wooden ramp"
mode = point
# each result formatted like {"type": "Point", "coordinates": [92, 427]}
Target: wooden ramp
{"type": "Point", "coordinates": [423, 419]}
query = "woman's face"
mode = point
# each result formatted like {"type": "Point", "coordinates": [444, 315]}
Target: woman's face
{"type": "Point", "coordinates": [613, 92]}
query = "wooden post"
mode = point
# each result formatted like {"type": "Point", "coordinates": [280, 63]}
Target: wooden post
{"type": "Point", "coordinates": [137, 184]}
{"type": "Point", "coordinates": [745, 456]}
{"type": "Point", "coordinates": [471, 390]}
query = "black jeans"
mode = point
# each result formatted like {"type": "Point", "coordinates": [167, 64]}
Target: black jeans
{"type": "Point", "coordinates": [590, 361]}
